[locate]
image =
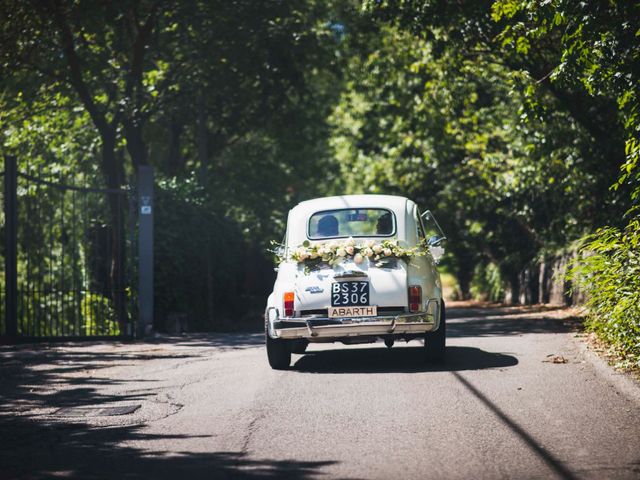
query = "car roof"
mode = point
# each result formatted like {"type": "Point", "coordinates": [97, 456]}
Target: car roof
{"type": "Point", "coordinates": [402, 207]}
{"type": "Point", "coordinates": [392, 202]}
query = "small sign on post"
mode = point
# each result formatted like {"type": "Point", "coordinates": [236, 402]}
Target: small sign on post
{"type": "Point", "coordinates": [145, 205]}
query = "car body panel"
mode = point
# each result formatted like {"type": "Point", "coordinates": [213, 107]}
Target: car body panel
{"type": "Point", "coordinates": [388, 283]}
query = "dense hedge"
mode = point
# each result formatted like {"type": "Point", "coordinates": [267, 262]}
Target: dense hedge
{"type": "Point", "coordinates": [608, 271]}
{"type": "Point", "coordinates": [198, 258]}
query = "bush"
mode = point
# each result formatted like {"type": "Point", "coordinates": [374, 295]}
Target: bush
{"type": "Point", "coordinates": [487, 283]}
{"type": "Point", "coordinates": [198, 258]}
{"type": "Point", "coordinates": [607, 270]}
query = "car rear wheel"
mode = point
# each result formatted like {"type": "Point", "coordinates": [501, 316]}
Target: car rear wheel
{"type": "Point", "coordinates": [278, 350]}
{"type": "Point", "coordinates": [435, 342]}
{"type": "Point", "coordinates": [299, 346]}
{"type": "Point", "coordinates": [279, 353]}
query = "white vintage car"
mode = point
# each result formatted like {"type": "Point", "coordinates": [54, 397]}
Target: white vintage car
{"type": "Point", "coordinates": [355, 269]}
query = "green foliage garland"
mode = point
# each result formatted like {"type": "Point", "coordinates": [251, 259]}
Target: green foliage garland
{"type": "Point", "coordinates": [335, 252]}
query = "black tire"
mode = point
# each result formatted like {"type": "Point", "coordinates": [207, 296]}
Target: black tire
{"type": "Point", "coordinates": [299, 346]}
{"type": "Point", "coordinates": [435, 342]}
{"type": "Point", "coordinates": [278, 351]}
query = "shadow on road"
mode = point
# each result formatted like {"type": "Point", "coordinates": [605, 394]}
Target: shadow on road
{"type": "Point", "coordinates": [399, 360]}
{"type": "Point", "coordinates": [560, 469]}
{"type": "Point", "coordinates": [38, 446]}
{"type": "Point", "coordinates": [509, 325]}
{"type": "Point", "coordinates": [223, 341]}
{"type": "Point", "coordinates": [76, 451]}
{"type": "Point", "coordinates": [454, 310]}
{"type": "Point", "coordinates": [31, 379]}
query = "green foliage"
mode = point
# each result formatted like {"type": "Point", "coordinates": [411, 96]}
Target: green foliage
{"type": "Point", "coordinates": [57, 314]}
{"type": "Point", "coordinates": [532, 168]}
{"type": "Point", "coordinates": [487, 283]}
{"type": "Point", "coordinates": [233, 94]}
{"type": "Point", "coordinates": [448, 131]}
{"type": "Point", "coordinates": [199, 257]}
{"type": "Point", "coordinates": [608, 271]}
{"type": "Point", "coordinates": [598, 56]}
{"type": "Point", "coordinates": [62, 258]}
{"type": "Point", "coordinates": [49, 135]}
{"type": "Point", "coordinates": [508, 118]}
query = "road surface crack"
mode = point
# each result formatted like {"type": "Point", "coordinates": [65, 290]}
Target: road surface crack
{"type": "Point", "coordinates": [252, 428]}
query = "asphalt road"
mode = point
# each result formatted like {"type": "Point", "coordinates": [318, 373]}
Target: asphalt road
{"type": "Point", "coordinates": [210, 407]}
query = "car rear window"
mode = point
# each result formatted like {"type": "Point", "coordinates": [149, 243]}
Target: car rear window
{"type": "Point", "coordinates": [353, 222]}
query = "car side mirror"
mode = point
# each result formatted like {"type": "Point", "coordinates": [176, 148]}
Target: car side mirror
{"type": "Point", "coordinates": [432, 225]}
{"type": "Point", "coordinates": [435, 240]}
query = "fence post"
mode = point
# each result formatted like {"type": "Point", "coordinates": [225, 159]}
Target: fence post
{"type": "Point", "coordinates": [11, 246]}
{"type": "Point", "coordinates": [145, 250]}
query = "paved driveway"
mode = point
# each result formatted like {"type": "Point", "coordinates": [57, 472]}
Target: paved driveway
{"type": "Point", "coordinates": [208, 406]}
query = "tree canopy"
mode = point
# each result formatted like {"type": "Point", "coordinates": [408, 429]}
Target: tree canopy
{"type": "Point", "coordinates": [516, 121]}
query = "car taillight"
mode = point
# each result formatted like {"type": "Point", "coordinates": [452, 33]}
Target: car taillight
{"type": "Point", "coordinates": [415, 298]}
{"type": "Point", "coordinates": [288, 304]}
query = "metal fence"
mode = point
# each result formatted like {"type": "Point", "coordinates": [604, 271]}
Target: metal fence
{"type": "Point", "coordinates": [69, 255]}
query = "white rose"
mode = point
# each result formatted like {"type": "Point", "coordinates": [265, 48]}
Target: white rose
{"type": "Point", "coordinates": [368, 252]}
{"type": "Point", "coordinates": [371, 243]}
{"type": "Point", "coordinates": [350, 249]}
{"type": "Point", "coordinates": [341, 252]}
{"type": "Point", "coordinates": [358, 258]}
{"type": "Point", "coordinates": [350, 241]}
{"type": "Point", "coordinates": [387, 252]}
{"type": "Point", "coordinates": [313, 255]}
{"type": "Point", "coordinates": [377, 248]}
{"type": "Point", "coordinates": [321, 251]}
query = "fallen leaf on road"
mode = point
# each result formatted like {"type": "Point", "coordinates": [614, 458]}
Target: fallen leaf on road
{"type": "Point", "coordinates": [556, 359]}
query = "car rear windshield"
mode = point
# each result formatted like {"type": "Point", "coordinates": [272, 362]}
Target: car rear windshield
{"type": "Point", "coordinates": [354, 222]}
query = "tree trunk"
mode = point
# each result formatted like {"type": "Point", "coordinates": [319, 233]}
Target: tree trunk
{"type": "Point", "coordinates": [175, 161]}
{"type": "Point", "coordinates": [210, 305]}
{"type": "Point", "coordinates": [113, 171]}
{"type": "Point", "coordinates": [135, 143]}
{"type": "Point", "coordinates": [464, 272]}
{"type": "Point", "coordinates": [514, 283]}
{"type": "Point", "coordinates": [533, 284]}
{"type": "Point", "coordinates": [545, 280]}
{"type": "Point", "coordinates": [202, 140]}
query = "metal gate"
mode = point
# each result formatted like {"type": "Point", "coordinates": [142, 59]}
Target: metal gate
{"type": "Point", "coordinates": [69, 256]}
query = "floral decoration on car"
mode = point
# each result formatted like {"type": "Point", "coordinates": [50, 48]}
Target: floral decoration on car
{"type": "Point", "coordinates": [335, 252]}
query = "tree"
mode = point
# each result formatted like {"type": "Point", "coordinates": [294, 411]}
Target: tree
{"type": "Point", "coordinates": [447, 131]}
{"type": "Point", "coordinates": [193, 86]}
{"type": "Point", "coordinates": [558, 58]}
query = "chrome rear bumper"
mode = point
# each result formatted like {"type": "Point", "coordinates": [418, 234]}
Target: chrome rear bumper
{"type": "Point", "coordinates": [324, 327]}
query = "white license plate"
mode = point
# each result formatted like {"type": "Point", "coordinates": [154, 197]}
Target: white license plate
{"type": "Point", "coordinates": [352, 312]}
